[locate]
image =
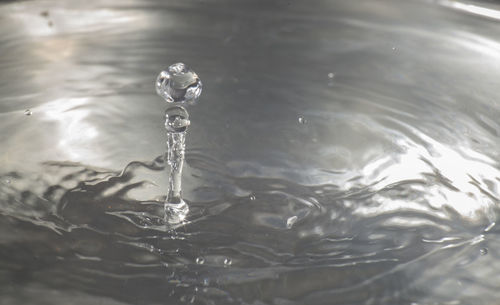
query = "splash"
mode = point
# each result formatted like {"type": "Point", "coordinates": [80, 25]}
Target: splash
{"type": "Point", "coordinates": [177, 85]}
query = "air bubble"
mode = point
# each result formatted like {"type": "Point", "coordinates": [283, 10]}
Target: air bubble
{"type": "Point", "coordinates": [483, 251]}
{"type": "Point", "coordinates": [302, 120]}
{"type": "Point", "coordinates": [228, 261]}
{"type": "Point", "coordinates": [252, 198]}
{"type": "Point", "coordinates": [331, 75]}
{"type": "Point", "coordinates": [28, 112]}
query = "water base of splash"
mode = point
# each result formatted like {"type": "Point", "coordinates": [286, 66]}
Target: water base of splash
{"type": "Point", "coordinates": [175, 213]}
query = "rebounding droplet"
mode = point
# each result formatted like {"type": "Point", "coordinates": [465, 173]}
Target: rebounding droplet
{"type": "Point", "coordinates": [178, 84]}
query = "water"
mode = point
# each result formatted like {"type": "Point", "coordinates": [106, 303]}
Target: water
{"type": "Point", "coordinates": [387, 195]}
{"type": "Point", "coordinates": [178, 84]}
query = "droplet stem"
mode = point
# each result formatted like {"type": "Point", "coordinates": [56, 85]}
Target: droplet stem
{"type": "Point", "coordinates": [175, 158]}
{"type": "Point", "coordinates": [176, 124]}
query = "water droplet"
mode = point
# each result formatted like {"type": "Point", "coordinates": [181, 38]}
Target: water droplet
{"type": "Point", "coordinates": [200, 260]}
{"type": "Point", "coordinates": [28, 112]}
{"type": "Point", "coordinates": [302, 120]}
{"type": "Point", "coordinates": [8, 181]}
{"type": "Point", "coordinates": [178, 84]}
{"type": "Point", "coordinates": [252, 198]}
{"type": "Point", "coordinates": [331, 75]}
{"type": "Point", "coordinates": [176, 119]}
{"type": "Point", "coordinates": [290, 221]}
{"type": "Point", "coordinates": [228, 261]}
{"type": "Point", "coordinates": [394, 48]}
{"type": "Point", "coordinates": [483, 251]}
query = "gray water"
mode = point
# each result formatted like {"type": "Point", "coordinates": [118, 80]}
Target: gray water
{"type": "Point", "coordinates": [342, 152]}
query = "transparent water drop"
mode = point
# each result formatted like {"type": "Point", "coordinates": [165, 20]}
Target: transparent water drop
{"type": "Point", "coordinates": [176, 119]}
{"type": "Point", "coordinates": [178, 84]}
{"type": "Point", "coordinates": [200, 260]}
{"type": "Point", "coordinates": [228, 261]}
{"type": "Point", "coordinates": [28, 112]}
{"type": "Point", "coordinates": [483, 251]}
{"type": "Point", "coordinates": [291, 221]}
{"type": "Point", "coordinates": [302, 120]}
{"type": "Point", "coordinates": [252, 198]}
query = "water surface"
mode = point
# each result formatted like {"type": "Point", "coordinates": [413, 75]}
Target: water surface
{"type": "Point", "coordinates": [342, 153]}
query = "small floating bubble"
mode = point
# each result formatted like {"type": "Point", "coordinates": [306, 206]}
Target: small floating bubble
{"type": "Point", "coordinates": [28, 112]}
{"type": "Point", "coordinates": [228, 261]}
{"type": "Point", "coordinates": [8, 181]}
{"type": "Point", "coordinates": [483, 251]}
{"type": "Point", "coordinates": [291, 221]}
{"type": "Point", "coordinates": [200, 260]}
{"type": "Point", "coordinates": [331, 75]}
{"type": "Point", "coordinates": [252, 197]}
{"type": "Point", "coordinates": [302, 120]}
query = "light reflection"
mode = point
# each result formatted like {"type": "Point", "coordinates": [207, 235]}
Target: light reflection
{"type": "Point", "coordinates": [75, 134]}
{"type": "Point", "coordinates": [437, 176]}
{"type": "Point", "coordinates": [70, 20]}
{"type": "Point", "coordinates": [473, 9]}
{"type": "Point", "coordinates": [477, 43]}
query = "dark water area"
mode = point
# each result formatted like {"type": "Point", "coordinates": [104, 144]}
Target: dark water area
{"type": "Point", "coordinates": [342, 152]}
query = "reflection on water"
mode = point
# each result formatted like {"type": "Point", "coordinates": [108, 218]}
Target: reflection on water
{"type": "Point", "coordinates": [345, 153]}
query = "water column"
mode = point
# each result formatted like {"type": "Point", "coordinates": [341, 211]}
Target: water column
{"type": "Point", "coordinates": [179, 86]}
